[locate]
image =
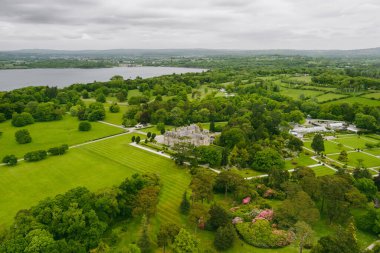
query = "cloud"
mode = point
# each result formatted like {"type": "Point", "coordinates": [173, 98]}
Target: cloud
{"type": "Point", "coordinates": [238, 24]}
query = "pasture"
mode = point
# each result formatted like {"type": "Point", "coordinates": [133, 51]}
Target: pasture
{"type": "Point", "coordinates": [328, 97]}
{"type": "Point", "coordinates": [96, 165]}
{"type": "Point", "coordinates": [297, 93]}
{"type": "Point", "coordinates": [375, 95]}
{"type": "Point", "coordinates": [359, 100]}
{"type": "Point", "coordinates": [49, 134]}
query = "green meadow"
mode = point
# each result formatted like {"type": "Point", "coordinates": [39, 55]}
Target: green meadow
{"type": "Point", "coordinates": [50, 134]}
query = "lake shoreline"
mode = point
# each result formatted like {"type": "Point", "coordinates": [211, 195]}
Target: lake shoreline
{"type": "Point", "coordinates": [11, 79]}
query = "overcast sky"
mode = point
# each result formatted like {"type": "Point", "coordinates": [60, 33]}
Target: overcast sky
{"type": "Point", "coordinates": [222, 24]}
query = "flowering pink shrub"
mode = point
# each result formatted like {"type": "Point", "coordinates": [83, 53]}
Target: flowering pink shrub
{"type": "Point", "coordinates": [246, 200]}
{"type": "Point", "coordinates": [266, 214]}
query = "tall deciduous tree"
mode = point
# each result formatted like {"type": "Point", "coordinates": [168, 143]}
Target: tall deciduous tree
{"type": "Point", "coordinates": [318, 144]}
{"type": "Point", "coordinates": [23, 136]}
{"type": "Point", "coordinates": [167, 234]}
{"type": "Point", "coordinates": [299, 207]}
{"type": "Point", "coordinates": [185, 243]}
{"type": "Point", "coordinates": [202, 184]}
{"type": "Point", "coordinates": [304, 234]}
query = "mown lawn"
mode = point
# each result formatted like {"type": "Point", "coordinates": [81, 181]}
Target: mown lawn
{"type": "Point", "coordinates": [322, 171]}
{"type": "Point", "coordinates": [49, 134]}
{"type": "Point", "coordinates": [330, 147]}
{"type": "Point", "coordinates": [95, 166]}
{"type": "Point", "coordinates": [301, 160]}
{"type": "Point", "coordinates": [355, 141]}
{"type": "Point", "coordinates": [368, 161]}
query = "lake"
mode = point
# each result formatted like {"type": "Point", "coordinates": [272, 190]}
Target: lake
{"type": "Point", "coordinates": [17, 78]}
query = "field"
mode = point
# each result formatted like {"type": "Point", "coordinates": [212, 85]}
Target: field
{"type": "Point", "coordinates": [322, 171]}
{"type": "Point", "coordinates": [296, 93]}
{"type": "Point", "coordinates": [95, 166]}
{"type": "Point", "coordinates": [350, 143]}
{"type": "Point", "coordinates": [321, 88]}
{"type": "Point", "coordinates": [329, 96]}
{"type": "Point", "coordinates": [360, 100]}
{"type": "Point", "coordinates": [49, 134]}
{"type": "Point", "coordinates": [330, 147]}
{"type": "Point", "coordinates": [372, 95]}
{"type": "Point", "coordinates": [354, 157]}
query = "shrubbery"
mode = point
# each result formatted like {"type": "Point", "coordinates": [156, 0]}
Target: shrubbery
{"type": "Point", "coordinates": [10, 160]}
{"type": "Point", "coordinates": [114, 108]}
{"type": "Point", "coordinates": [35, 156]}
{"type": "Point", "coordinates": [260, 234]}
{"type": "Point", "coordinates": [22, 119]}
{"type": "Point", "coordinates": [2, 117]}
{"type": "Point", "coordinates": [23, 136]}
{"type": "Point", "coordinates": [84, 126]}
{"type": "Point", "coordinates": [58, 150]}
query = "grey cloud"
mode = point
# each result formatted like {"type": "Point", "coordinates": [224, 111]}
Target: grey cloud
{"type": "Point", "coordinates": [245, 24]}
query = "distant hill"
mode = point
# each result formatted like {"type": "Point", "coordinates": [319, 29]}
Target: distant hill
{"type": "Point", "coordinates": [42, 53]}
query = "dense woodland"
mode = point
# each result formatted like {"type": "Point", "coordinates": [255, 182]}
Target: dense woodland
{"type": "Point", "coordinates": [256, 136]}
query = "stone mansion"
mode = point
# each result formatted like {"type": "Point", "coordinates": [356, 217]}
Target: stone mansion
{"type": "Point", "coordinates": [193, 134]}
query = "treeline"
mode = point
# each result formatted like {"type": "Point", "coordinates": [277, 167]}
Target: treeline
{"type": "Point", "coordinates": [78, 220]}
{"type": "Point", "coordinates": [58, 63]}
{"type": "Point", "coordinates": [346, 83]}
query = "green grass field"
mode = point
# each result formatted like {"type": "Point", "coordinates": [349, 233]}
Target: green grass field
{"type": "Point", "coordinates": [132, 93]}
{"type": "Point", "coordinates": [95, 166]}
{"type": "Point", "coordinates": [301, 160]}
{"type": "Point", "coordinates": [368, 161]}
{"type": "Point", "coordinates": [296, 93]}
{"type": "Point", "coordinates": [306, 79]}
{"type": "Point", "coordinates": [330, 147]}
{"type": "Point", "coordinates": [360, 100]}
{"type": "Point", "coordinates": [329, 96]}
{"type": "Point", "coordinates": [321, 88]}
{"type": "Point", "coordinates": [375, 95]}
{"type": "Point", "coordinates": [322, 171]}
{"type": "Point", "coordinates": [49, 134]}
{"type": "Point", "coordinates": [354, 141]}
{"type": "Point", "coordinates": [375, 151]}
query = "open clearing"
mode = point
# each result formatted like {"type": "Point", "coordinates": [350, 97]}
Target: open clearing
{"type": "Point", "coordinates": [50, 134]}
{"type": "Point", "coordinates": [95, 166]}
{"type": "Point", "coordinates": [296, 93]}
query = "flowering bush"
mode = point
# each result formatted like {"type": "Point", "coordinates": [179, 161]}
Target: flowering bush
{"type": "Point", "coordinates": [266, 214]}
{"type": "Point", "coordinates": [260, 234]}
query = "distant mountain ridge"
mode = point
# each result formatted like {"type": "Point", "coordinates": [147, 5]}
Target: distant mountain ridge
{"type": "Point", "coordinates": [370, 52]}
